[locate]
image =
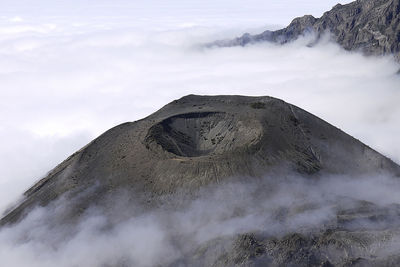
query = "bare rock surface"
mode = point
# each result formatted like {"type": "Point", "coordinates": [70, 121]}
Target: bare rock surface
{"type": "Point", "coordinates": [370, 26]}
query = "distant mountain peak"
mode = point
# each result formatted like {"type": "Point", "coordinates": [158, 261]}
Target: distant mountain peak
{"type": "Point", "coordinates": [370, 26]}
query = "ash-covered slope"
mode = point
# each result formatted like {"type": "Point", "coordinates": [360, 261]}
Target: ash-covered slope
{"type": "Point", "coordinates": [371, 26]}
{"type": "Point", "coordinates": [200, 141]}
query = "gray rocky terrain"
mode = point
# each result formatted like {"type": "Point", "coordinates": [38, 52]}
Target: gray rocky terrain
{"type": "Point", "coordinates": [196, 143]}
{"type": "Point", "coordinates": [370, 26]}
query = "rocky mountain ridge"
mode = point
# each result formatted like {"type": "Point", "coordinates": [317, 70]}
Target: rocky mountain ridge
{"type": "Point", "coordinates": [370, 26]}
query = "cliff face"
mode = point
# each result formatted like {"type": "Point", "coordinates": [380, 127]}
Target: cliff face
{"type": "Point", "coordinates": [371, 26]}
{"type": "Point", "coordinates": [200, 141]}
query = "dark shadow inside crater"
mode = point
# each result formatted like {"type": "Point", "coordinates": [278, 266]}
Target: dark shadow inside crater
{"type": "Point", "coordinates": [196, 134]}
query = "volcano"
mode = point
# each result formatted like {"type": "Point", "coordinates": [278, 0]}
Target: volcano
{"type": "Point", "coordinates": [197, 142]}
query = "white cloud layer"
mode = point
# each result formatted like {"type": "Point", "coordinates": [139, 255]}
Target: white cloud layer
{"type": "Point", "coordinates": [70, 71]}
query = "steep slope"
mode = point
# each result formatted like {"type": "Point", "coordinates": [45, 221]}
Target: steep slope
{"type": "Point", "coordinates": [371, 26]}
{"type": "Point", "coordinates": [200, 141]}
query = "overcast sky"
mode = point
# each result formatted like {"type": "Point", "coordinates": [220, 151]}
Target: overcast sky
{"type": "Point", "coordinates": [219, 12]}
{"type": "Point", "coordinates": [70, 70]}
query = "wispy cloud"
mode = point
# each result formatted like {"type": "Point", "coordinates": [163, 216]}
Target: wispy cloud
{"type": "Point", "coordinates": [274, 205]}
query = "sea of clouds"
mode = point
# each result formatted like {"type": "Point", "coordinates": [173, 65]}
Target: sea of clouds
{"type": "Point", "coordinates": [71, 70]}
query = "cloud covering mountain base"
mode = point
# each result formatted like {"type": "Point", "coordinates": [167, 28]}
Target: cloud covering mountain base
{"type": "Point", "coordinates": [331, 208]}
{"type": "Point", "coordinates": [65, 81]}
